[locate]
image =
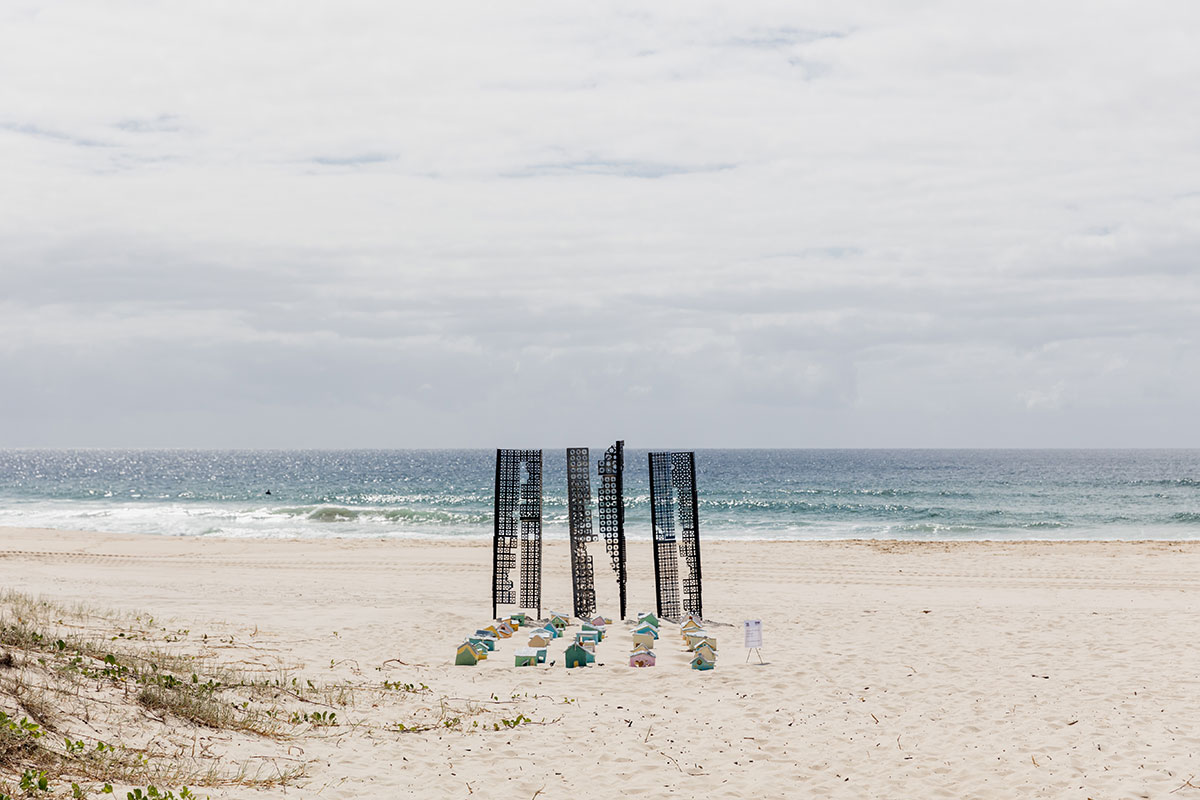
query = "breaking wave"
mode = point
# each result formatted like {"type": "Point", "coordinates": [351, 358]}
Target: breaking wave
{"type": "Point", "coordinates": [405, 515]}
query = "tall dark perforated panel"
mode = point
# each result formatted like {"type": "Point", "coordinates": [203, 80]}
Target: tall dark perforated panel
{"type": "Point", "coordinates": [612, 511]}
{"type": "Point", "coordinates": [531, 532]}
{"type": "Point", "coordinates": [673, 497]}
{"type": "Point", "coordinates": [518, 518]}
{"type": "Point", "coordinates": [504, 539]}
{"type": "Point", "coordinates": [579, 516]}
{"type": "Point", "coordinates": [683, 479]}
{"type": "Point", "coordinates": [666, 548]}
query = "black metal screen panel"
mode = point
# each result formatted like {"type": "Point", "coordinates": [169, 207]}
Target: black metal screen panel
{"type": "Point", "coordinates": [579, 516]}
{"type": "Point", "coordinates": [531, 532]}
{"type": "Point", "coordinates": [612, 511]}
{"type": "Point", "coordinates": [518, 518]}
{"type": "Point", "coordinates": [504, 538]}
{"type": "Point", "coordinates": [683, 479]}
{"type": "Point", "coordinates": [666, 547]}
{"type": "Point", "coordinates": [674, 507]}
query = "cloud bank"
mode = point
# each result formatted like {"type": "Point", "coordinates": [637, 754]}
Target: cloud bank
{"type": "Point", "coordinates": [888, 224]}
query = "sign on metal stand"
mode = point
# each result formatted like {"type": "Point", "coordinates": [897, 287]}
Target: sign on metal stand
{"type": "Point", "coordinates": [752, 628]}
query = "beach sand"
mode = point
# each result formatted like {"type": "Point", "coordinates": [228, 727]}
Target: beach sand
{"type": "Point", "coordinates": [899, 670]}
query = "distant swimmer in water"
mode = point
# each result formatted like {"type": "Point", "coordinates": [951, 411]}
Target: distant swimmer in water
{"type": "Point", "coordinates": [268, 491]}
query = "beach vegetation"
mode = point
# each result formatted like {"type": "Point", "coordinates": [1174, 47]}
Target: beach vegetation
{"type": "Point", "coordinates": [511, 723]}
{"type": "Point", "coordinates": [318, 719]}
{"type": "Point", "coordinates": [34, 782]}
{"type": "Point", "coordinates": [76, 671]}
{"type": "Point", "coordinates": [84, 707]}
{"type": "Point", "coordinates": [153, 793]}
{"type": "Point", "coordinates": [411, 688]}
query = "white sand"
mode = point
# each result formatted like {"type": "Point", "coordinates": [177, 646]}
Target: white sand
{"type": "Point", "coordinates": [895, 670]}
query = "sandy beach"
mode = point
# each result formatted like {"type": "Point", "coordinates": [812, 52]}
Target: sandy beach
{"type": "Point", "coordinates": [894, 669]}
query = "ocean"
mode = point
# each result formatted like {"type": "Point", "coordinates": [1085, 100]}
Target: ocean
{"type": "Point", "coordinates": [744, 494]}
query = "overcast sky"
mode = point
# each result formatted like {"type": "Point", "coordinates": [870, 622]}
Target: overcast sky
{"type": "Point", "coordinates": [539, 224]}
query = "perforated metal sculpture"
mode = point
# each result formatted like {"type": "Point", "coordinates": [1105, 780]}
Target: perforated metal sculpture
{"type": "Point", "coordinates": [518, 517]}
{"type": "Point", "coordinates": [579, 516]}
{"type": "Point", "coordinates": [673, 495]}
{"type": "Point", "coordinates": [612, 511]}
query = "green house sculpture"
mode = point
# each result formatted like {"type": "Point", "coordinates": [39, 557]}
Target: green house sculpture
{"type": "Point", "coordinates": [577, 656]}
{"type": "Point", "coordinates": [467, 656]}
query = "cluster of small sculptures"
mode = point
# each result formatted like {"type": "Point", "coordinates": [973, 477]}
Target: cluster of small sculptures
{"type": "Point", "coordinates": [582, 650]}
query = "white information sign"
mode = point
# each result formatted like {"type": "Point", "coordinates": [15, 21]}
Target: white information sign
{"type": "Point", "coordinates": [753, 630]}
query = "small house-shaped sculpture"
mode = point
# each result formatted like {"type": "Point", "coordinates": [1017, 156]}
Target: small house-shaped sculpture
{"type": "Point", "coordinates": [526, 657]}
{"type": "Point", "coordinates": [539, 639]}
{"type": "Point", "coordinates": [647, 617]}
{"type": "Point", "coordinates": [642, 647]}
{"type": "Point", "coordinates": [700, 662]}
{"type": "Point", "coordinates": [694, 638]}
{"type": "Point", "coordinates": [490, 630]}
{"type": "Point", "coordinates": [690, 625]}
{"type": "Point", "coordinates": [559, 621]}
{"type": "Point", "coordinates": [467, 656]}
{"type": "Point", "coordinates": [483, 642]}
{"type": "Point", "coordinates": [550, 631]}
{"type": "Point", "coordinates": [694, 618]}
{"type": "Point", "coordinates": [577, 656]}
{"type": "Point", "coordinates": [587, 636]}
{"type": "Point", "coordinates": [541, 654]}
{"type": "Point", "coordinates": [590, 628]}
{"type": "Point", "coordinates": [643, 638]}
{"type": "Point", "coordinates": [641, 658]}
{"type": "Point", "coordinates": [520, 617]}
{"type": "Point", "coordinates": [707, 650]}
{"type": "Point", "coordinates": [600, 622]}
{"type": "Point", "coordinates": [647, 628]}
{"type": "Point", "coordinates": [503, 629]}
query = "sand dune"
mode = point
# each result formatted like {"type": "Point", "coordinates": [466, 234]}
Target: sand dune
{"type": "Point", "coordinates": [895, 669]}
